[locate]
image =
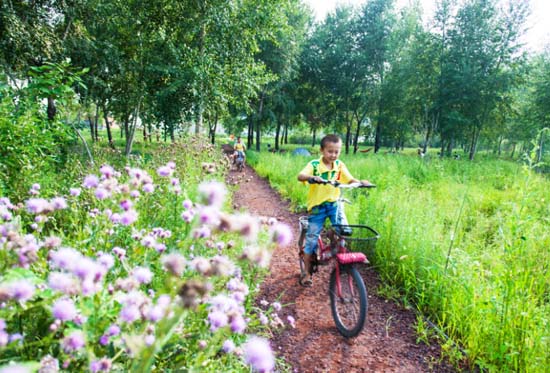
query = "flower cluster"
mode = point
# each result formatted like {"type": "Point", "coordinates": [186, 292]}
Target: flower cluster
{"type": "Point", "coordinates": [117, 283]}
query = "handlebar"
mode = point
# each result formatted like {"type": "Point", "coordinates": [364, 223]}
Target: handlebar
{"type": "Point", "coordinates": [337, 184]}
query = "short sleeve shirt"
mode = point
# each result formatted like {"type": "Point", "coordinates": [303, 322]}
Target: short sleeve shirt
{"type": "Point", "coordinates": [319, 193]}
{"type": "Point", "coordinates": [239, 147]}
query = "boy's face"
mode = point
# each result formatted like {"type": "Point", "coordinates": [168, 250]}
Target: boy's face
{"type": "Point", "coordinates": [331, 151]}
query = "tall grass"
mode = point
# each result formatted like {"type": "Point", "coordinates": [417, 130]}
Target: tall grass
{"type": "Point", "coordinates": [466, 243]}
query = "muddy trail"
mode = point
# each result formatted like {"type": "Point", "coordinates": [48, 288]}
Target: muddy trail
{"type": "Point", "coordinates": [386, 344]}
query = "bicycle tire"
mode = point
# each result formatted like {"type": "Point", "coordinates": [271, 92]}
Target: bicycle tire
{"type": "Point", "coordinates": [349, 311]}
{"type": "Point", "coordinates": [301, 252]}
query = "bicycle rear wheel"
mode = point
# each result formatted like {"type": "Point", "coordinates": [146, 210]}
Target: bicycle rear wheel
{"type": "Point", "coordinates": [349, 310]}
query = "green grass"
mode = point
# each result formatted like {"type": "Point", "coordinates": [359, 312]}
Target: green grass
{"type": "Point", "coordinates": [466, 243]}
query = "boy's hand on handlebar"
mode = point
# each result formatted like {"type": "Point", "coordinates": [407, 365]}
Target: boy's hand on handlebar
{"type": "Point", "coordinates": [316, 180]}
{"type": "Point", "coordinates": [367, 184]}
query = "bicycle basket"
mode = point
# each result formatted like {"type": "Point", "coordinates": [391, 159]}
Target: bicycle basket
{"type": "Point", "coordinates": [358, 237]}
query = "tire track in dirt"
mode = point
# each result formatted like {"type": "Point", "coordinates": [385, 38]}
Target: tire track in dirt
{"type": "Point", "coordinates": [386, 344]}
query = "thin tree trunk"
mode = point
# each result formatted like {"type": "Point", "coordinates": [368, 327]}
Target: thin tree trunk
{"type": "Point", "coordinates": [259, 121]}
{"type": "Point", "coordinates": [108, 126]}
{"type": "Point", "coordinates": [132, 130]}
{"type": "Point", "coordinates": [92, 128]}
{"type": "Point", "coordinates": [96, 123]}
{"type": "Point", "coordinates": [250, 135]}
{"type": "Point", "coordinates": [513, 151]}
{"type": "Point", "coordinates": [52, 110]}
{"type": "Point", "coordinates": [314, 133]}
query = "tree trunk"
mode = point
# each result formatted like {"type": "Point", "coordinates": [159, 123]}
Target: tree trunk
{"type": "Point", "coordinates": [473, 146]}
{"type": "Point", "coordinates": [132, 130]}
{"type": "Point", "coordinates": [540, 152]}
{"type": "Point", "coordinates": [92, 128]}
{"type": "Point", "coordinates": [513, 151]}
{"type": "Point", "coordinates": [96, 123]}
{"type": "Point", "coordinates": [277, 132]}
{"type": "Point", "coordinates": [250, 135]}
{"type": "Point", "coordinates": [259, 121]}
{"type": "Point", "coordinates": [314, 133]}
{"type": "Point", "coordinates": [52, 110]}
{"type": "Point", "coordinates": [108, 127]}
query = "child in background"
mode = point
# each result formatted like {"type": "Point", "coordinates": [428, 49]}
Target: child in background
{"type": "Point", "coordinates": [322, 199]}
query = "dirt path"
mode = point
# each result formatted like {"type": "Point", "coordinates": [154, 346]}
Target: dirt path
{"type": "Point", "coordinates": [388, 341]}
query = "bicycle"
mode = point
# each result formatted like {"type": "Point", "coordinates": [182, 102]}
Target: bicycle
{"type": "Point", "coordinates": [347, 291]}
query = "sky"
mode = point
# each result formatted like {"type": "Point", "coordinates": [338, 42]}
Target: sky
{"type": "Point", "coordinates": [536, 37]}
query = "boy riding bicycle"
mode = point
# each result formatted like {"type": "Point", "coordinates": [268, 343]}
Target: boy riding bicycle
{"type": "Point", "coordinates": [322, 199]}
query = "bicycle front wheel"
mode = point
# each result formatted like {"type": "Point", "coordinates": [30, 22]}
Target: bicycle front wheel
{"type": "Point", "coordinates": [349, 309]}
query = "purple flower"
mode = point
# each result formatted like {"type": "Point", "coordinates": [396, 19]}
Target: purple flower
{"type": "Point", "coordinates": [143, 275]}
{"type": "Point", "coordinates": [129, 217]}
{"type": "Point", "coordinates": [63, 282]}
{"type": "Point", "coordinates": [213, 193]}
{"type": "Point", "coordinates": [291, 321]}
{"type": "Point", "coordinates": [126, 204]}
{"type": "Point", "coordinates": [59, 203]}
{"type": "Point", "coordinates": [90, 181]}
{"type": "Point", "coordinates": [15, 368]}
{"type": "Point", "coordinates": [263, 319]}
{"type": "Point", "coordinates": [129, 314]}
{"type": "Point", "coordinates": [115, 218]}
{"type": "Point", "coordinates": [228, 346]}
{"type": "Point", "coordinates": [65, 258]}
{"type": "Point", "coordinates": [148, 188]}
{"type": "Point", "coordinates": [104, 340]}
{"type": "Point", "coordinates": [171, 164]}
{"type": "Point", "coordinates": [64, 310]}
{"type": "Point", "coordinates": [217, 319]}
{"type": "Point", "coordinates": [282, 234]}
{"type": "Point", "coordinates": [277, 306]}
{"type": "Point", "coordinates": [102, 365]}
{"type": "Point", "coordinates": [119, 252]}
{"type": "Point", "coordinates": [106, 261]}
{"type": "Point", "coordinates": [134, 193]}
{"type": "Point", "coordinates": [174, 263]}
{"type": "Point", "coordinates": [187, 204]}
{"type": "Point", "coordinates": [238, 325]}
{"type": "Point", "coordinates": [21, 290]}
{"type": "Point", "coordinates": [75, 192]}
{"type": "Point", "coordinates": [107, 171]}
{"type": "Point", "coordinates": [73, 342]}
{"type": "Point", "coordinates": [38, 205]}
{"type": "Point", "coordinates": [113, 330]}
{"type": "Point", "coordinates": [164, 171]}
{"type": "Point", "coordinates": [187, 216]}
{"type": "Point", "coordinates": [258, 354]}
{"type": "Point", "coordinates": [102, 193]}
{"type": "Point", "coordinates": [149, 339]}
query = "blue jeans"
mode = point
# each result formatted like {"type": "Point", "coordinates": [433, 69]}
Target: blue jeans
{"type": "Point", "coordinates": [316, 221]}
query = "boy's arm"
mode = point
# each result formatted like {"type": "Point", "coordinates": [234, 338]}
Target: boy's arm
{"type": "Point", "coordinates": [307, 173]}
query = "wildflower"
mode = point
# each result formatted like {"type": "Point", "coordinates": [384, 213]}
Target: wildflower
{"type": "Point", "coordinates": [64, 310]}
{"type": "Point", "coordinates": [102, 193]}
{"type": "Point", "coordinates": [21, 290]}
{"type": "Point", "coordinates": [171, 164]}
{"type": "Point", "coordinates": [175, 181]}
{"type": "Point", "coordinates": [107, 171]}
{"type": "Point", "coordinates": [63, 282]}
{"type": "Point", "coordinates": [102, 365]}
{"type": "Point", "coordinates": [75, 192]}
{"type": "Point", "coordinates": [90, 181]}
{"type": "Point", "coordinates": [59, 203]}
{"type": "Point", "coordinates": [213, 192]}
{"type": "Point", "coordinates": [113, 330]}
{"type": "Point", "coordinates": [38, 206]}
{"type": "Point", "coordinates": [49, 364]}
{"type": "Point", "coordinates": [149, 339]}
{"type": "Point", "coordinates": [65, 258]}
{"type": "Point", "coordinates": [217, 319]}
{"type": "Point", "coordinates": [209, 215]}
{"type": "Point", "coordinates": [228, 346]}
{"type": "Point", "coordinates": [202, 344]}
{"type": "Point", "coordinates": [222, 266]}
{"type": "Point", "coordinates": [119, 252]}
{"type": "Point", "coordinates": [129, 217]}
{"type": "Point", "coordinates": [52, 241]}
{"type": "Point", "coordinates": [276, 306]}
{"type": "Point", "coordinates": [15, 368]}
{"type": "Point", "coordinates": [126, 204]}
{"type": "Point", "coordinates": [134, 194]}
{"type": "Point", "coordinates": [282, 235]}
{"type": "Point", "coordinates": [174, 263]}
{"type": "Point", "coordinates": [129, 314]}
{"type": "Point", "coordinates": [106, 260]}
{"type": "Point", "coordinates": [238, 325]}
{"type": "Point", "coordinates": [258, 255]}
{"type": "Point", "coordinates": [164, 171]}
{"type": "Point", "coordinates": [5, 214]}
{"type": "Point", "coordinates": [258, 354]}
{"type": "Point", "coordinates": [291, 321]}
{"type": "Point", "coordinates": [73, 342]}
{"type": "Point", "coordinates": [263, 319]}
{"type": "Point", "coordinates": [187, 204]}
{"type": "Point", "coordinates": [201, 265]}
{"type": "Point", "coordinates": [148, 188]}
{"type": "Point", "coordinates": [142, 275]}
{"type": "Point", "coordinates": [187, 216]}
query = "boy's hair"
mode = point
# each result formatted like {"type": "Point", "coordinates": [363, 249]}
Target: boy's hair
{"type": "Point", "coordinates": [329, 138]}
